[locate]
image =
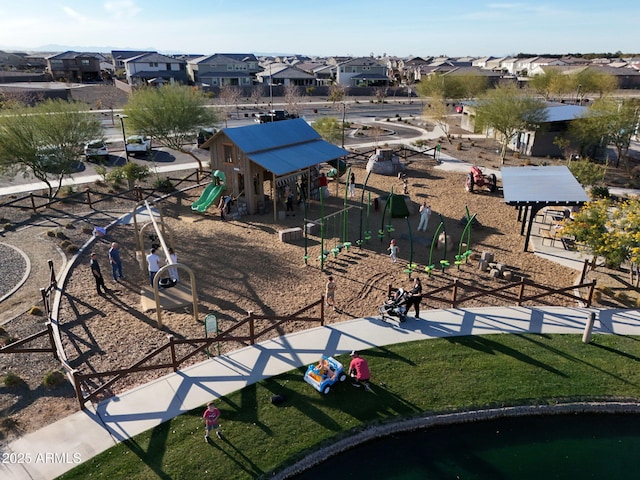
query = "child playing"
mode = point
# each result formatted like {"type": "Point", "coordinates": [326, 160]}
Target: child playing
{"type": "Point", "coordinates": [393, 248]}
{"type": "Point", "coordinates": [211, 416]}
{"type": "Point", "coordinates": [330, 293]}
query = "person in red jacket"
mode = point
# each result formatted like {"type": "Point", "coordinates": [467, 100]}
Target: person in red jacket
{"type": "Point", "coordinates": [359, 371]}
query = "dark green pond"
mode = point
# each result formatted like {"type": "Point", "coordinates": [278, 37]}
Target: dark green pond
{"type": "Point", "coordinates": [530, 448]}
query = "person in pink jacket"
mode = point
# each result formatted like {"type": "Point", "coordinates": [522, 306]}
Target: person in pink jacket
{"type": "Point", "coordinates": [359, 371]}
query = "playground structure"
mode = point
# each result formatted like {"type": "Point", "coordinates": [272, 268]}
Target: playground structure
{"type": "Point", "coordinates": [211, 193]}
{"type": "Point", "coordinates": [177, 296]}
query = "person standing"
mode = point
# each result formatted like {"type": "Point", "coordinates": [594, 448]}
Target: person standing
{"type": "Point", "coordinates": [330, 293]}
{"type": "Point", "coordinates": [173, 258]}
{"type": "Point", "coordinates": [211, 416]}
{"type": "Point", "coordinates": [289, 201]}
{"type": "Point", "coordinates": [352, 185]}
{"type": "Point", "coordinates": [415, 297]}
{"type": "Point", "coordinates": [97, 275]}
{"type": "Point", "coordinates": [425, 213]}
{"type": "Point", "coordinates": [359, 371]}
{"type": "Point", "coordinates": [153, 265]}
{"type": "Point", "coordinates": [324, 185]}
{"type": "Point", "coordinates": [393, 249]}
{"type": "Point", "coordinates": [116, 261]}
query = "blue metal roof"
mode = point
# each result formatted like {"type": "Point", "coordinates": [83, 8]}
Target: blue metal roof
{"type": "Point", "coordinates": [285, 146]}
{"type": "Point", "coordinates": [559, 112]}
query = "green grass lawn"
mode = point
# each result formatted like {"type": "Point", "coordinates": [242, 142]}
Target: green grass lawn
{"type": "Point", "coordinates": [432, 376]}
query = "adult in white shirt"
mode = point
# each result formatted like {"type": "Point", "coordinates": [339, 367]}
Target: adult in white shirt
{"type": "Point", "coordinates": [153, 264]}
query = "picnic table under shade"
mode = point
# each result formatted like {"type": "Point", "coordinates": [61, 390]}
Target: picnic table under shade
{"type": "Point", "coordinates": [530, 189]}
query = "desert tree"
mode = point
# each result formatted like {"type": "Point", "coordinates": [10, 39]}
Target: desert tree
{"type": "Point", "coordinates": [507, 111]}
{"type": "Point", "coordinates": [329, 128]}
{"type": "Point", "coordinates": [593, 81]}
{"type": "Point", "coordinates": [436, 110]}
{"type": "Point", "coordinates": [229, 98]}
{"type": "Point", "coordinates": [552, 83]}
{"type": "Point", "coordinates": [171, 114]}
{"type": "Point", "coordinates": [293, 98]}
{"type": "Point", "coordinates": [257, 92]}
{"type": "Point", "coordinates": [46, 141]}
{"type": "Point", "coordinates": [609, 121]}
{"type": "Point", "coordinates": [453, 87]}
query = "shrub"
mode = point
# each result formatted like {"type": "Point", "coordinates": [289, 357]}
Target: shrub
{"type": "Point", "coordinates": [36, 311]}
{"type": "Point", "coordinates": [66, 243]}
{"type": "Point", "coordinates": [8, 226]}
{"type": "Point", "coordinates": [71, 249]}
{"type": "Point", "coordinates": [7, 340]}
{"type": "Point", "coordinates": [53, 379]}
{"type": "Point", "coordinates": [87, 229]}
{"type": "Point", "coordinates": [459, 146]}
{"type": "Point", "coordinates": [51, 233]}
{"type": "Point", "coordinates": [163, 184]}
{"type": "Point", "coordinates": [70, 226]}
{"type": "Point", "coordinates": [12, 380]}
{"type": "Point", "coordinates": [3, 332]}
{"type": "Point", "coordinates": [61, 235]}
{"type": "Point", "coordinates": [600, 192]}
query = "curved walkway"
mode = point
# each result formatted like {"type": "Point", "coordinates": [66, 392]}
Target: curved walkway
{"type": "Point", "coordinates": [101, 426]}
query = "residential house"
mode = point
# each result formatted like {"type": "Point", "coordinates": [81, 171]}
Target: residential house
{"type": "Point", "coordinates": [120, 56]}
{"type": "Point", "coordinates": [221, 69]}
{"type": "Point", "coordinates": [285, 75]}
{"type": "Point", "coordinates": [493, 78]}
{"type": "Point", "coordinates": [155, 69]}
{"type": "Point", "coordinates": [75, 66]}
{"type": "Point", "coordinates": [12, 61]}
{"type": "Point", "coordinates": [362, 72]}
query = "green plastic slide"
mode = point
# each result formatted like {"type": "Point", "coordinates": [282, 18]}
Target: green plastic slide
{"type": "Point", "coordinates": [210, 194]}
{"type": "Point", "coordinates": [340, 165]}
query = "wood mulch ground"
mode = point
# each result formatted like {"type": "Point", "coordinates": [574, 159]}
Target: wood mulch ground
{"type": "Point", "coordinates": [242, 266]}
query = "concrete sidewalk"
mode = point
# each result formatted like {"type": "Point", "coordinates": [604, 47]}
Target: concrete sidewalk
{"type": "Point", "coordinates": [59, 447]}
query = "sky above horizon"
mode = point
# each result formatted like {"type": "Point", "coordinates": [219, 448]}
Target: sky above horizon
{"type": "Point", "coordinates": [345, 27]}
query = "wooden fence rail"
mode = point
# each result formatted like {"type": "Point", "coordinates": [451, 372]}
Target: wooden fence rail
{"type": "Point", "coordinates": [458, 292]}
{"type": "Point", "coordinates": [91, 197]}
{"type": "Point", "coordinates": [85, 393]}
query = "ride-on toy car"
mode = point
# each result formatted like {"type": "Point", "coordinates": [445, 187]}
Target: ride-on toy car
{"type": "Point", "coordinates": [324, 374]}
{"type": "Point", "coordinates": [477, 179]}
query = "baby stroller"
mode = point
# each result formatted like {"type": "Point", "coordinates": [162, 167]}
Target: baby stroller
{"type": "Point", "coordinates": [395, 306]}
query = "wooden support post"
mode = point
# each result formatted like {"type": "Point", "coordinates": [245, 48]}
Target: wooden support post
{"type": "Point", "coordinates": [592, 287]}
{"type": "Point", "coordinates": [52, 342]}
{"type": "Point", "coordinates": [172, 349]}
{"type": "Point", "coordinates": [520, 292]}
{"type": "Point", "coordinates": [322, 310]}
{"type": "Point", "coordinates": [252, 329]}
{"type": "Point", "coordinates": [33, 203]}
{"type": "Point", "coordinates": [88, 192]}
{"type": "Point", "coordinates": [454, 292]}
{"type": "Point", "coordinates": [78, 389]}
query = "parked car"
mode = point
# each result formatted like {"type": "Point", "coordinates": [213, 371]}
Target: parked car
{"type": "Point", "coordinates": [96, 150]}
{"type": "Point", "coordinates": [274, 116]}
{"type": "Point", "coordinates": [138, 145]}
